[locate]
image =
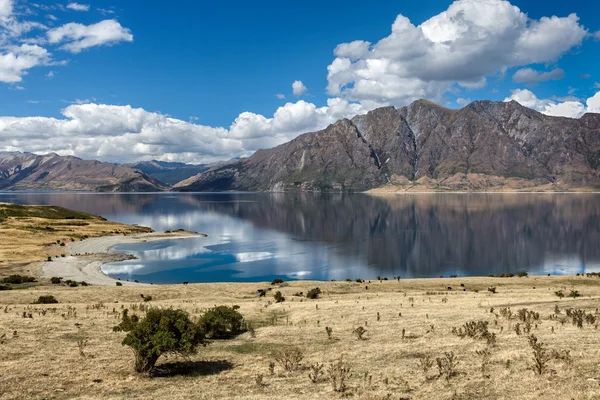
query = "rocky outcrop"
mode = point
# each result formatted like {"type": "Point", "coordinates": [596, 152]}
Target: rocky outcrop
{"type": "Point", "coordinates": [484, 146]}
{"type": "Point", "coordinates": [26, 171]}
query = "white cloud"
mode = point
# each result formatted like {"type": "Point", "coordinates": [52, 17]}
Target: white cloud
{"type": "Point", "coordinates": [78, 7]}
{"type": "Point", "coordinates": [298, 88]}
{"type": "Point", "coordinates": [124, 133]}
{"type": "Point", "coordinates": [80, 37]}
{"type": "Point", "coordinates": [26, 44]}
{"type": "Point", "coordinates": [50, 74]}
{"type": "Point", "coordinates": [597, 85]}
{"type": "Point", "coordinates": [570, 109]}
{"type": "Point", "coordinates": [18, 60]}
{"type": "Point", "coordinates": [6, 9]}
{"type": "Point", "coordinates": [531, 77]}
{"type": "Point", "coordinates": [280, 96]}
{"type": "Point", "coordinates": [463, 45]}
{"type": "Point", "coordinates": [463, 102]}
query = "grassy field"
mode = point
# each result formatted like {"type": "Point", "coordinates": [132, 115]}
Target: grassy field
{"type": "Point", "coordinates": [34, 233]}
{"type": "Point", "coordinates": [68, 350]}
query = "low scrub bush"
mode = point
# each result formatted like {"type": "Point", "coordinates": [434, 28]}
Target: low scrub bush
{"type": "Point", "coordinates": [18, 279]}
{"type": "Point", "coordinates": [162, 331]}
{"type": "Point", "coordinates": [46, 300]}
{"type": "Point", "coordinates": [56, 280]}
{"type": "Point", "coordinates": [540, 356]}
{"type": "Point", "coordinates": [338, 374]}
{"type": "Point", "coordinates": [313, 293]}
{"type": "Point", "coordinates": [289, 358]}
{"type": "Point", "coordinates": [277, 281]}
{"type": "Point", "coordinates": [222, 322]}
{"type": "Point", "coordinates": [279, 297]}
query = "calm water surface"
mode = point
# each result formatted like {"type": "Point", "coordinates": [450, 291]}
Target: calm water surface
{"type": "Point", "coordinates": [259, 236]}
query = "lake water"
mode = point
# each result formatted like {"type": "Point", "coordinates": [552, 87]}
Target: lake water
{"type": "Point", "coordinates": [259, 236]}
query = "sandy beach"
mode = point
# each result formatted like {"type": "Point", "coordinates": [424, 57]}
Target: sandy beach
{"type": "Point", "coordinates": [87, 257]}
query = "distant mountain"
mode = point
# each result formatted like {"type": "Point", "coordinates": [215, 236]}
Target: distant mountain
{"type": "Point", "coordinates": [168, 172]}
{"type": "Point", "coordinates": [26, 171]}
{"type": "Point", "coordinates": [484, 146]}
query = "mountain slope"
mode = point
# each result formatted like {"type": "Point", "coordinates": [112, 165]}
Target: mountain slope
{"type": "Point", "coordinates": [26, 171]}
{"type": "Point", "coordinates": [485, 145]}
{"type": "Point", "coordinates": [168, 172]}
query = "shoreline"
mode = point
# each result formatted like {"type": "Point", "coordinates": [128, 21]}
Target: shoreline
{"type": "Point", "coordinates": [88, 256]}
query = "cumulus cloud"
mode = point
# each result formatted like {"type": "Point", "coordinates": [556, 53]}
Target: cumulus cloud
{"type": "Point", "coordinates": [532, 77]}
{"type": "Point", "coordinates": [80, 37]}
{"type": "Point", "coordinates": [19, 59]}
{"type": "Point", "coordinates": [125, 133]}
{"type": "Point", "coordinates": [463, 45]}
{"type": "Point", "coordinates": [280, 96]}
{"type": "Point", "coordinates": [570, 108]}
{"type": "Point", "coordinates": [298, 88]}
{"type": "Point", "coordinates": [78, 7]}
{"type": "Point", "coordinates": [28, 44]}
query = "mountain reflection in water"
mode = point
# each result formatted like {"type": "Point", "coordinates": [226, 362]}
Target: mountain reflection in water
{"type": "Point", "coordinates": [257, 236]}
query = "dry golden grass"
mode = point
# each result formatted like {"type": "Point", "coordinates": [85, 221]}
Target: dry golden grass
{"type": "Point", "coordinates": [40, 356]}
{"type": "Point", "coordinates": [30, 237]}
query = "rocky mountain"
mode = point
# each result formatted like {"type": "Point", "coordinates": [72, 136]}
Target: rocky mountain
{"type": "Point", "coordinates": [26, 171]}
{"type": "Point", "coordinates": [483, 146]}
{"type": "Point", "coordinates": [169, 173]}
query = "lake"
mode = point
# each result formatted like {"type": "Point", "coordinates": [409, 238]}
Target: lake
{"type": "Point", "coordinates": [259, 236]}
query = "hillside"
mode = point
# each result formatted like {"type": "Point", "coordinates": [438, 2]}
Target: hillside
{"type": "Point", "coordinates": [26, 171]}
{"type": "Point", "coordinates": [484, 146]}
{"type": "Point", "coordinates": [169, 173]}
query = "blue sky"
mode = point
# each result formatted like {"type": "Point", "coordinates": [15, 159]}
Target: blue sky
{"type": "Point", "coordinates": [120, 69]}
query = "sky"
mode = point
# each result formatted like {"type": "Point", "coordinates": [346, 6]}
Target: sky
{"type": "Point", "coordinates": [201, 81]}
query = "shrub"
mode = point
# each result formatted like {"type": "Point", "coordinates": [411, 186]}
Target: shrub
{"type": "Point", "coordinates": [574, 293]}
{"type": "Point", "coordinates": [522, 274]}
{"type": "Point", "coordinates": [18, 279]}
{"type": "Point", "coordinates": [147, 298]}
{"type": "Point", "coordinates": [56, 280]}
{"type": "Point", "coordinates": [49, 258]}
{"type": "Point", "coordinates": [161, 331]}
{"type": "Point", "coordinates": [559, 293]}
{"type": "Point", "coordinates": [289, 358]}
{"type": "Point", "coordinates": [360, 332]}
{"type": "Point", "coordinates": [279, 297]}
{"type": "Point", "coordinates": [540, 356]}
{"type": "Point", "coordinates": [316, 370]}
{"type": "Point", "coordinates": [447, 365]}
{"type": "Point", "coordinates": [277, 281]}
{"type": "Point", "coordinates": [2, 287]}
{"type": "Point", "coordinates": [46, 300]}
{"type": "Point", "coordinates": [492, 289]}
{"type": "Point", "coordinates": [222, 322]}
{"type": "Point", "coordinates": [338, 373]}
{"type": "Point", "coordinates": [119, 284]}
{"type": "Point", "coordinates": [313, 293]}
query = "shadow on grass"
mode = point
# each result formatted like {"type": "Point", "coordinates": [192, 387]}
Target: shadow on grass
{"type": "Point", "coordinates": [191, 368]}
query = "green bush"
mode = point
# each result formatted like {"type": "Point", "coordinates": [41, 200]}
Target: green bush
{"type": "Point", "coordinates": [313, 293]}
{"type": "Point", "coordinates": [522, 274]}
{"type": "Point", "coordinates": [162, 331]}
{"type": "Point", "coordinates": [46, 300]}
{"type": "Point", "coordinates": [277, 281]}
{"type": "Point", "coordinates": [56, 280]}
{"type": "Point", "coordinates": [119, 284]}
{"type": "Point", "coordinates": [279, 297]}
{"type": "Point", "coordinates": [222, 322]}
{"type": "Point", "coordinates": [147, 298]}
{"type": "Point", "coordinates": [2, 287]}
{"type": "Point", "coordinates": [18, 279]}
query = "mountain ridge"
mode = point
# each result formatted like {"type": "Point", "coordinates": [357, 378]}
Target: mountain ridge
{"type": "Point", "coordinates": [28, 171]}
{"type": "Point", "coordinates": [485, 145]}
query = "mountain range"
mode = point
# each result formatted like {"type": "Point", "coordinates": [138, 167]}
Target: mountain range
{"type": "Point", "coordinates": [483, 146]}
{"type": "Point", "coordinates": [423, 146]}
